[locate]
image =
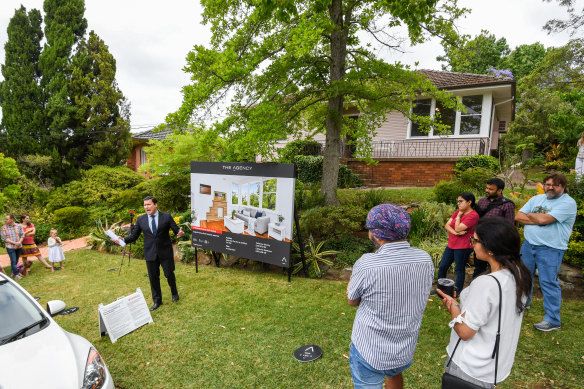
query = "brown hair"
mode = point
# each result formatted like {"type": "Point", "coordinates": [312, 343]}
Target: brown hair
{"type": "Point", "coordinates": [557, 179]}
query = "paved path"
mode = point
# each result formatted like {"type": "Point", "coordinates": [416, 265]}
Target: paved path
{"type": "Point", "coordinates": [68, 245]}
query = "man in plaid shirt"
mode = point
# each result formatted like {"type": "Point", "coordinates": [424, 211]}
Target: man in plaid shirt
{"type": "Point", "coordinates": [494, 204]}
{"type": "Point", "coordinates": [12, 235]}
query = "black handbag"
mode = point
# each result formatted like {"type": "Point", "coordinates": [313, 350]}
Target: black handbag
{"type": "Point", "coordinates": [450, 381]}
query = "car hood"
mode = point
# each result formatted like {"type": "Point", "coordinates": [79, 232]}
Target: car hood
{"type": "Point", "coordinates": [46, 359]}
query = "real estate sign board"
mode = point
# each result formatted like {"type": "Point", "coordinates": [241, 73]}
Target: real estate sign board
{"type": "Point", "coordinates": [244, 209]}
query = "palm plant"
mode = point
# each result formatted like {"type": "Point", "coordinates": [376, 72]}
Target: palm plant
{"type": "Point", "coordinates": [314, 256]}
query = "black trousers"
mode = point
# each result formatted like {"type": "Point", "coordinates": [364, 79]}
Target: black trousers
{"type": "Point", "coordinates": [154, 276]}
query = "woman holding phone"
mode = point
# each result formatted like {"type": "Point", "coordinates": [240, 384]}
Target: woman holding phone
{"type": "Point", "coordinates": [475, 321]}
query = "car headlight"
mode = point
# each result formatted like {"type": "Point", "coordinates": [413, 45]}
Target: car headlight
{"type": "Point", "coordinates": [94, 377]}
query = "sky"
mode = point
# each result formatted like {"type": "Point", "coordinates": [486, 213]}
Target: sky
{"type": "Point", "coordinates": [151, 39]}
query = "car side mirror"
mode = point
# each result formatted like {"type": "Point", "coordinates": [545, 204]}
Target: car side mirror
{"type": "Point", "coordinates": [54, 307]}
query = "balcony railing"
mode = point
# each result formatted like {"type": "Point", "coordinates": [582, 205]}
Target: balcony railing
{"type": "Point", "coordinates": [421, 148]}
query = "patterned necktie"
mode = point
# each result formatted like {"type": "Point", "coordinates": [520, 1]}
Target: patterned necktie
{"type": "Point", "coordinates": [153, 225]}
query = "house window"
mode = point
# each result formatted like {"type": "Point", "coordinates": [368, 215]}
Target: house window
{"type": "Point", "coordinates": [234, 194]}
{"type": "Point", "coordinates": [470, 121]}
{"type": "Point", "coordinates": [142, 156]}
{"type": "Point", "coordinates": [244, 194]}
{"type": "Point", "coordinates": [460, 123]}
{"type": "Point", "coordinates": [254, 194]}
{"type": "Point", "coordinates": [420, 108]}
{"type": "Point", "coordinates": [269, 194]}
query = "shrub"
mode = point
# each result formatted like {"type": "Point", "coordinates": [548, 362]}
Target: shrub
{"type": "Point", "coordinates": [428, 222]}
{"type": "Point", "coordinates": [333, 222]}
{"type": "Point", "coordinates": [310, 171]}
{"type": "Point", "coordinates": [299, 147]}
{"type": "Point", "coordinates": [350, 249]}
{"type": "Point", "coordinates": [308, 196]}
{"type": "Point", "coordinates": [70, 217]}
{"type": "Point", "coordinates": [475, 179]}
{"type": "Point", "coordinates": [447, 191]}
{"type": "Point", "coordinates": [42, 232]}
{"type": "Point", "coordinates": [477, 161]}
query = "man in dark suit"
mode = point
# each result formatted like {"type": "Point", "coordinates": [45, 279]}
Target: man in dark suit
{"type": "Point", "coordinates": [157, 247]}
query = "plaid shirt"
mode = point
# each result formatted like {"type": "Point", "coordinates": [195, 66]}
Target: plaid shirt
{"type": "Point", "coordinates": [13, 233]}
{"type": "Point", "coordinates": [506, 210]}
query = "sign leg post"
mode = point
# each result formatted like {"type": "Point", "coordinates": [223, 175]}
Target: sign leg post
{"type": "Point", "coordinates": [196, 261]}
{"type": "Point", "coordinates": [300, 242]}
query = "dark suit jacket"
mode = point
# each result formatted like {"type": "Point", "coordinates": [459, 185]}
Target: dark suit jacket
{"type": "Point", "coordinates": [159, 245]}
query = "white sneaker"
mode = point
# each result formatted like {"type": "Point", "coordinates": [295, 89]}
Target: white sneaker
{"type": "Point", "coordinates": [17, 277]}
{"type": "Point", "coordinates": [546, 326]}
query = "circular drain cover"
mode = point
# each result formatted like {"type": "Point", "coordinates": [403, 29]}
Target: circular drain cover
{"type": "Point", "coordinates": [308, 353]}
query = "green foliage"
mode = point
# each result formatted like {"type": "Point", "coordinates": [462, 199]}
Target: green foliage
{"type": "Point", "coordinates": [477, 161]}
{"type": "Point", "coordinates": [298, 147]}
{"type": "Point", "coordinates": [475, 55]}
{"type": "Point", "coordinates": [447, 191]}
{"type": "Point", "coordinates": [428, 222]}
{"type": "Point", "coordinates": [314, 256]}
{"type": "Point", "coordinates": [308, 196]}
{"type": "Point", "coordinates": [43, 231]}
{"type": "Point", "coordinates": [294, 66]}
{"type": "Point", "coordinates": [475, 179]}
{"type": "Point", "coordinates": [8, 175]}
{"type": "Point", "coordinates": [101, 185]}
{"type": "Point", "coordinates": [349, 249]}
{"type": "Point", "coordinates": [332, 222]}
{"type": "Point", "coordinates": [21, 98]}
{"type": "Point", "coordinates": [310, 171]}
{"type": "Point", "coordinates": [186, 252]}
{"type": "Point", "coordinates": [70, 217]}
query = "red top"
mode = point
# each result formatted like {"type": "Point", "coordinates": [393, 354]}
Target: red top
{"type": "Point", "coordinates": [28, 239]}
{"type": "Point", "coordinates": [463, 241]}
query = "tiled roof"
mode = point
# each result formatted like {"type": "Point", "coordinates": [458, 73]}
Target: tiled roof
{"type": "Point", "coordinates": [150, 134]}
{"type": "Point", "coordinates": [452, 80]}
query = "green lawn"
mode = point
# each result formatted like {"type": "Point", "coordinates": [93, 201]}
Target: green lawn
{"type": "Point", "coordinates": [239, 329]}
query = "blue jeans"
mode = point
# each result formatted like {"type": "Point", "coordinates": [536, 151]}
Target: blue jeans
{"type": "Point", "coordinates": [547, 260]}
{"type": "Point", "coordinates": [459, 257]}
{"type": "Point", "coordinates": [13, 254]}
{"type": "Point", "coordinates": [367, 377]}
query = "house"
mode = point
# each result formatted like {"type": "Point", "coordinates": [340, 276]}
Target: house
{"type": "Point", "coordinates": [139, 141]}
{"type": "Point", "coordinates": [408, 157]}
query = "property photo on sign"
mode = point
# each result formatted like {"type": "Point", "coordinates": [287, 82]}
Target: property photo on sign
{"type": "Point", "coordinates": [245, 209]}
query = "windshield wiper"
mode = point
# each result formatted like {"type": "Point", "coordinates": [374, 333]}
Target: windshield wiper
{"type": "Point", "coordinates": [2, 282]}
{"type": "Point", "coordinates": [22, 331]}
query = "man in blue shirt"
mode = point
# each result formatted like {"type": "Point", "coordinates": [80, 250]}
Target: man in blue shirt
{"type": "Point", "coordinates": [391, 289]}
{"type": "Point", "coordinates": [548, 220]}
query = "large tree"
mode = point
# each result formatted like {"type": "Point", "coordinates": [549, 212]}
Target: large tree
{"type": "Point", "coordinates": [21, 97]}
{"type": "Point", "coordinates": [100, 122]}
{"type": "Point", "coordinates": [573, 23]}
{"type": "Point", "coordinates": [291, 68]}
{"type": "Point", "coordinates": [65, 26]}
{"type": "Point", "coordinates": [475, 55]}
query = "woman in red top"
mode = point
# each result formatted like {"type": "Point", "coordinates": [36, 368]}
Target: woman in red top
{"type": "Point", "coordinates": [460, 226]}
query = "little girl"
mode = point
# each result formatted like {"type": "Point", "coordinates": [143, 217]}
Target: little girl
{"type": "Point", "coordinates": [55, 250]}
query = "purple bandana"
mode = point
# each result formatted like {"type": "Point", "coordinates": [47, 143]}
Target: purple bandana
{"type": "Point", "coordinates": [388, 222]}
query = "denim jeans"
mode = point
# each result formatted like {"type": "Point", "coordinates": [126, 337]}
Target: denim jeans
{"type": "Point", "coordinates": [13, 254]}
{"type": "Point", "coordinates": [547, 261]}
{"type": "Point", "coordinates": [366, 376]}
{"type": "Point", "coordinates": [459, 257]}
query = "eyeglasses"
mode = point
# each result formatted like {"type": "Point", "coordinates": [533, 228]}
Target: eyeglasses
{"type": "Point", "coordinates": [474, 240]}
{"type": "Point", "coordinates": [460, 201]}
{"type": "Point", "coordinates": [552, 186]}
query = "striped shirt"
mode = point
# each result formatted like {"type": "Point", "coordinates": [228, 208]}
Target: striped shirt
{"type": "Point", "coordinates": [13, 233]}
{"type": "Point", "coordinates": [394, 284]}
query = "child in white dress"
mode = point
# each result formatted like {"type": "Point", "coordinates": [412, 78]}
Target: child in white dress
{"type": "Point", "coordinates": [55, 250]}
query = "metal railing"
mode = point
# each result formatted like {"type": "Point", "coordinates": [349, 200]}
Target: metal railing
{"type": "Point", "coordinates": [420, 148]}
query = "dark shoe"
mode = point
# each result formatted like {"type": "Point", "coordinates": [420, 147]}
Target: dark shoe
{"type": "Point", "coordinates": [155, 306]}
{"type": "Point", "coordinates": [175, 298]}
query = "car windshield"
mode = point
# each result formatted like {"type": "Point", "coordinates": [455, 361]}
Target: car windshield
{"type": "Point", "coordinates": [19, 316]}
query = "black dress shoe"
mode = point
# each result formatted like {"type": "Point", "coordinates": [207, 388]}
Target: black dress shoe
{"type": "Point", "coordinates": [155, 306]}
{"type": "Point", "coordinates": [175, 298]}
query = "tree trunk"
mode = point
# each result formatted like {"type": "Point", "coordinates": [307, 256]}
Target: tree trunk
{"type": "Point", "coordinates": [333, 121]}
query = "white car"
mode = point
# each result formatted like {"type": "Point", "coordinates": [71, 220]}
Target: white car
{"type": "Point", "coordinates": [35, 352]}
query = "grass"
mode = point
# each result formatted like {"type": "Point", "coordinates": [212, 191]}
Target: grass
{"type": "Point", "coordinates": [400, 196]}
{"type": "Point", "coordinates": [239, 329]}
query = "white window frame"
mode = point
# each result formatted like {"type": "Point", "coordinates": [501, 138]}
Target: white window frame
{"type": "Point", "coordinates": [483, 131]}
